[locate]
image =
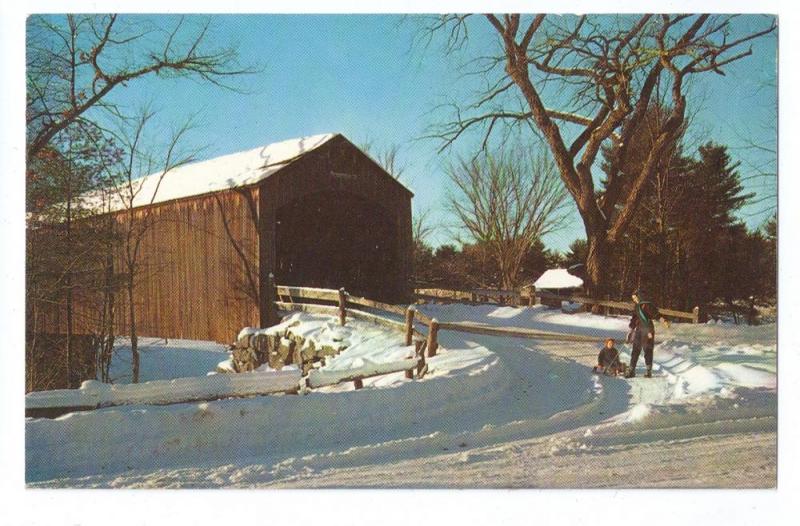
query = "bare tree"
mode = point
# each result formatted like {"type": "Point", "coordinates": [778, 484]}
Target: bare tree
{"type": "Point", "coordinates": [75, 61]}
{"type": "Point", "coordinates": [62, 249]}
{"type": "Point", "coordinates": [506, 202]}
{"type": "Point", "coordinates": [592, 79]}
{"type": "Point", "coordinates": [421, 228]}
{"type": "Point", "coordinates": [135, 195]}
{"type": "Point", "coordinates": [387, 157]}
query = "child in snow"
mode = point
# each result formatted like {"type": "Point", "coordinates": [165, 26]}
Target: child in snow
{"type": "Point", "coordinates": [643, 333]}
{"type": "Point", "coordinates": [608, 360]}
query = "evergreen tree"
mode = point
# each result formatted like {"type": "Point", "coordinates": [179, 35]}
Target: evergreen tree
{"type": "Point", "coordinates": [709, 232]}
{"type": "Point", "coordinates": [576, 255]}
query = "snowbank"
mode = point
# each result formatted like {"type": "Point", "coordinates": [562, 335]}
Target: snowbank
{"type": "Point", "coordinates": [694, 369]}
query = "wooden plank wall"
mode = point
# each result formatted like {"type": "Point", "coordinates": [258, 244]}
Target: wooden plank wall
{"type": "Point", "coordinates": [192, 280]}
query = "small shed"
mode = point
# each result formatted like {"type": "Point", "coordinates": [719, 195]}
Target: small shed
{"type": "Point", "coordinates": [557, 281]}
{"type": "Point", "coordinates": [313, 211]}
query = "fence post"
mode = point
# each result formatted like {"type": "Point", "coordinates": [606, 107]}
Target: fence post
{"type": "Point", "coordinates": [532, 296]}
{"type": "Point", "coordinates": [417, 348]}
{"type": "Point", "coordinates": [433, 337]}
{"type": "Point", "coordinates": [409, 324]}
{"type": "Point", "coordinates": [272, 309]}
{"type": "Point", "coordinates": [420, 346]}
{"type": "Point", "coordinates": [608, 309]}
{"type": "Point", "coordinates": [696, 315]}
{"type": "Point", "coordinates": [342, 306]}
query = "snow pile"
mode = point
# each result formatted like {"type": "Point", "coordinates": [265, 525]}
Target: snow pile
{"type": "Point", "coordinates": [323, 329]}
{"type": "Point", "coordinates": [694, 369]}
{"type": "Point", "coordinates": [365, 348]}
{"type": "Point", "coordinates": [557, 278]}
{"type": "Point", "coordinates": [637, 413]}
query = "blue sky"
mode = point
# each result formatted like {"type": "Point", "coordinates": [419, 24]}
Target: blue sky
{"type": "Point", "coordinates": [364, 77]}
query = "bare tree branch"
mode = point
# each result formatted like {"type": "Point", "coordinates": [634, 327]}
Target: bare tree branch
{"type": "Point", "coordinates": [96, 49]}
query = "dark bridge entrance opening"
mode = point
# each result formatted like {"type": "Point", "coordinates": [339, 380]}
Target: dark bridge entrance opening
{"type": "Point", "coordinates": [335, 239]}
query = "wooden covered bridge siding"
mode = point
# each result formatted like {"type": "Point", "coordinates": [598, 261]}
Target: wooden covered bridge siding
{"type": "Point", "coordinates": [329, 218]}
{"type": "Point", "coordinates": [198, 272]}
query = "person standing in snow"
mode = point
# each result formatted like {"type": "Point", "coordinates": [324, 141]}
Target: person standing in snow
{"type": "Point", "coordinates": [643, 333]}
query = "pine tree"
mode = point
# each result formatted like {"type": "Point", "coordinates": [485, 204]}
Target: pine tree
{"type": "Point", "coordinates": [711, 232]}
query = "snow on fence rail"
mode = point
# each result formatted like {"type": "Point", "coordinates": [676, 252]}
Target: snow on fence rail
{"type": "Point", "coordinates": [93, 394]}
{"type": "Point", "coordinates": [321, 377]}
{"type": "Point", "coordinates": [530, 294]}
{"type": "Point", "coordinates": [518, 332]}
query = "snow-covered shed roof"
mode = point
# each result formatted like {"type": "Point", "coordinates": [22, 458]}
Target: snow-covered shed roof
{"type": "Point", "coordinates": [221, 173]}
{"type": "Point", "coordinates": [557, 278]}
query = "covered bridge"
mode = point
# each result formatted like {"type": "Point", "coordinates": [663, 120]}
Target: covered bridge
{"type": "Point", "coordinates": [314, 211]}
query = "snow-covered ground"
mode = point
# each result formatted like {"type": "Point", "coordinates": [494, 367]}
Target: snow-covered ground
{"type": "Point", "coordinates": [161, 359]}
{"type": "Point", "coordinates": [491, 412]}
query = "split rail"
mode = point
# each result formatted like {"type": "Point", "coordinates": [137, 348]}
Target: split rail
{"type": "Point", "coordinates": [529, 295]}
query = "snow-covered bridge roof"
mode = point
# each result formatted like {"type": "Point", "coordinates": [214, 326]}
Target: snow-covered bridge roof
{"type": "Point", "coordinates": [557, 278]}
{"type": "Point", "coordinates": [220, 173]}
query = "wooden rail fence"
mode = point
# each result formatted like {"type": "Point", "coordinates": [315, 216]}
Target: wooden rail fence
{"type": "Point", "coordinates": [529, 295]}
{"type": "Point", "coordinates": [410, 315]}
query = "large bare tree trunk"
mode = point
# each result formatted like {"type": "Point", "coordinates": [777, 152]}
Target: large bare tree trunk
{"type": "Point", "coordinates": [597, 265]}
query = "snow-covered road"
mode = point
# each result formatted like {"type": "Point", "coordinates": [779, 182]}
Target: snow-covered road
{"type": "Point", "coordinates": [493, 412]}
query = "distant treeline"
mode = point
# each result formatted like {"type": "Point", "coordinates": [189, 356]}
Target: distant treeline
{"type": "Point", "coordinates": [685, 246]}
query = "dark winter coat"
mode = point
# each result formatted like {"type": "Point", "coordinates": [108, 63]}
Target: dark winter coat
{"type": "Point", "coordinates": [608, 356]}
{"type": "Point", "coordinates": [644, 313]}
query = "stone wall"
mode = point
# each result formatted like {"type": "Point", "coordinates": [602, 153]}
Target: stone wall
{"type": "Point", "coordinates": [279, 348]}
